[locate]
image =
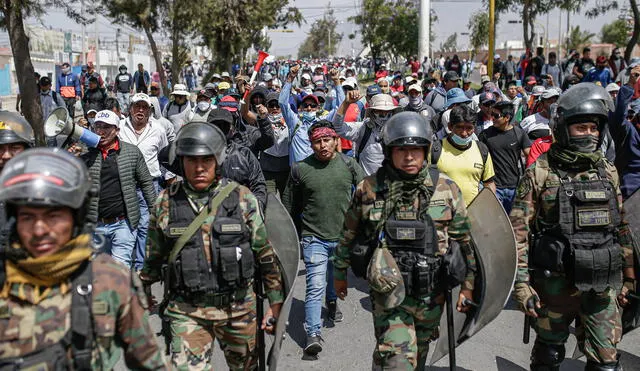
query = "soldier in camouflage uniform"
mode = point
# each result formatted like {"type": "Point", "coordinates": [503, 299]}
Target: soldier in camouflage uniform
{"type": "Point", "coordinates": [412, 213]}
{"type": "Point", "coordinates": [210, 268]}
{"type": "Point", "coordinates": [61, 306]}
{"type": "Point", "coordinates": [574, 246]}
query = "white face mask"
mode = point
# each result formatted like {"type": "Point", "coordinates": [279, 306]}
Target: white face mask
{"type": "Point", "coordinates": [204, 105]}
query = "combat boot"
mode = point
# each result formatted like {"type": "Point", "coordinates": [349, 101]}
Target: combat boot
{"type": "Point", "coordinates": [334, 312]}
{"type": "Point", "coordinates": [546, 357]}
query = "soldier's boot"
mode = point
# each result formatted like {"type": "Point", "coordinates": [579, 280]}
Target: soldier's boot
{"type": "Point", "coordinates": [334, 312]}
{"type": "Point", "coordinates": [593, 366]}
{"type": "Point", "coordinates": [546, 357]}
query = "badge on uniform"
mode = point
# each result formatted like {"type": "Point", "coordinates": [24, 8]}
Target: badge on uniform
{"type": "Point", "coordinates": [406, 233]}
{"type": "Point", "coordinates": [100, 307]}
{"type": "Point", "coordinates": [177, 231]}
{"type": "Point", "coordinates": [378, 204]}
{"type": "Point", "coordinates": [230, 228]}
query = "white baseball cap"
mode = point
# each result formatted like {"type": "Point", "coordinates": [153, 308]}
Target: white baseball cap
{"type": "Point", "coordinates": [350, 81]}
{"type": "Point", "coordinates": [108, 117]}
{"type": "Point", "coordinates": [415, 87]}
{"type": "Point", "coordinates": [180, 89]}
{"type": "Point", "coordinates": [141, 97]}
{"type": "Point", "coordinates": [225, 74]}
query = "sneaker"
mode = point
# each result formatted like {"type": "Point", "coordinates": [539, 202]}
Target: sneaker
{"type": "Point", "coordinates": [314, 344]}
{"type": "Point", "coordinates": [334, 312]}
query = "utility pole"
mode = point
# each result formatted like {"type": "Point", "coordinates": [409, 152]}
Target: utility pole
{"type": "Point", "coordinates": [118, 43]}
{"type": "Point", "coordinates": [559, 34]}
{"type": "Point", "coordinates": [492, 37]}
{"type": "Point", "coordinates": [97, 45]}
{"type": "Point", "coordinates": [82, 60]}
{"type": "Point", "coordinates": [546, 36]}
{"type": "Point", "coordinates": [425, 25]}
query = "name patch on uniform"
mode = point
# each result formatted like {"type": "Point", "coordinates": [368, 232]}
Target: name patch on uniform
{"type": "Point", "coordinates": [406, 215]}
{"type": "Point", "coordinates": [552, 183]}
{"type": "Point", "coordinates": [406, 233]}
{"type": "Point", "coordinates": [100, 307]}
{"type": "Point", "coordinates": [437, 202]}
{"type": "Point", "coordinates": [177, 231]}
{"type": "Point", "coordinates": [595, 195]}
{"type": "Point", "coordinates": [478, 166]}
{"type": "Point", "coordinates": [378, 204]}
{"type": "Point", "coordinates": [593, 217]}
{"type": "Point", "coordinates": [4, 312]}
{"type": "Point", "coordinates": [230, 228]}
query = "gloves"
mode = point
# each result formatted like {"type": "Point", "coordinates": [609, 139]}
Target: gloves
{"type": "Point", "coordinates": [526, 296]}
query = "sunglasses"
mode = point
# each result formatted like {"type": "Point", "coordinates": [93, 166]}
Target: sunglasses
{"type": "Point", "coordinates": [489, 104]}
{"type": "Point", "coordinates": [307, 105]}
{"type": "Point", "coordinates": [496, 115]}
{"type": "Point", "coordinates": [273, 105]}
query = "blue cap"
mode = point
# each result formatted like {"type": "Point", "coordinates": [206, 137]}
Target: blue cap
{"type": "Point", "coordinates": [456, 95]}
{"type": "Point", "coordinates": [635, 106]}
{"type": "Point", "coordinates": [373, 90]}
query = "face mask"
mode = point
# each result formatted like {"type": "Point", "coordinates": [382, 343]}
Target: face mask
{"type": "Point", "coordinates": [275, 118]}
{"type": "Point", "coordinates": [123, 71]}
{"type": "Point", "coordinates": [91, 120]}
{"type": "Point", "coordinates": [584, 143]}
{"type": "Point", "coordinates": [308, 116]}
{"type": "Point", "coordinates": [203, 105]}
{"type": "Point", "coordinates": [381, 119]}
{"type": "Point", "coordinates": [414, 101]}
{"type": "Point", "coordinates": [461, 141]}
{"type": "Point", "coordinates": [66, 70]}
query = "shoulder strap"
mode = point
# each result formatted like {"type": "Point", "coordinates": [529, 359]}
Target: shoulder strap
{"type": "Point", "coordinates": [434, 173]}
{"type": "Point", "coordinates": [352, 169]}
{"type": "Point", "coordinates": [197, 222]}
{"type": "Point", "coordinates": [81, 317]}
{"type": "Point", "coordinates": [54, 95]}
{"type": "Point", "coordinates": [436, 151]}
{"type": "Point", "coordinates": [295, 173]}
{"type": "Point", "coordinates": [484, 153]}
{"type": "Point", "coordinates": [363, 142]}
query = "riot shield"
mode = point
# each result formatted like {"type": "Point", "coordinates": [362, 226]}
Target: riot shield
{"type": "Point", "coordinates": [284, 239]}
{"type": "Point", "coordinates": [495, 247]}
{"type": "Point", "coordinates": [631, 313]}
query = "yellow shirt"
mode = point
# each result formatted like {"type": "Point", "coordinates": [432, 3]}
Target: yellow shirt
{"type": "Point", "coordinates": [466, 168]}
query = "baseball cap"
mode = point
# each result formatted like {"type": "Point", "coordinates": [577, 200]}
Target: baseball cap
{"type": "Point", "coordinates": [487, 97]}
{"type": "Point", "coordinates": [537, 90]}
{"type": "Point", "coordinates": [224, 86]}
{"type": "Point", "coordinates": [497, 56]}
{"type": "Point", "coordinates": [108, 117]}
{"type": "Point", "coordinates": [456, 95]}
{"type": "Point", "coordinates": [155, 85]}
{"type": "Point", "coordinates": [484, 79]}
{"type": "Point", "coordinates": [180, 89]}
{"type": "Point", "coordinates": [272, 97]}
{"type": "Point", "coordinates": [350, 82]}
{"type": "Point", "coordinates": [451, 76]}
{"type": "Point", "coordinates": [612, 87]}
{"type": "Point", "coordinates": [373, 90]}
{"type": "Point", "coordinates": [311, 97]}
{"type": "Point", "coordinates": [228, 103]}
{"type": "Point", "coordinates": [409, 79]}
{"type": "Point", "coordinates": [267, 77]}
{"type": "Point", "coordinates": [385, 280]}
{"type": "Point", "coordinates": [92, 111]}
{"type": "Point", "coordinates": [530, 80]}
{"type": "Point", "coordinates": [225, 74]}
{"type": "Point", "coordinates": [466, 81]}
{"type": "Point", "coordinates": [306, 76]}
{"type": "Point", "coordinates": [601, 59]}
{"type": "Point", "coordinates": [140, 97]}
{"type": "Point", "coordinates": [205, 93]}
{"type": "Point", "coordinates": [45, 80]}
{"type": "Point", "coordinates": [415, 87]}
{"type": "Point", "coordinates": [320, 94]}
{"type": "Point", "coordinates": [550, 93]}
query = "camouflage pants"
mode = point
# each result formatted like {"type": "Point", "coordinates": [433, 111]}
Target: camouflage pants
{"type": "Point", "coordinates": [403, 334]}
{"type": "Point", "coordinates": [192, 341]}
{"type": "Point", "coordinates": [599, 325]}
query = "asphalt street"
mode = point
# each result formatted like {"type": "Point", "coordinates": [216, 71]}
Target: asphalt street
{"type": "Point", "coordinates": [349, 344]}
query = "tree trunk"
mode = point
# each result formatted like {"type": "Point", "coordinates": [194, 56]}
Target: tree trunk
{"type": "Point", "coordinates": [32, 110]}
{"type": "Point", "coordinates": [157, 57]}
{"type": "Point", "coordinates": [636, 31]}
{"type": "Point", "coordinates": [526, 16]}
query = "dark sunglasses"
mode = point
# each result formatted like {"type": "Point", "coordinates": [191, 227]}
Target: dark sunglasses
{"type": "Point", "coordinates": [496, 115]}
{"type": "Point", "coordinates": [307, 105]}
{"type": "Point", "coordinates": [273, 105]}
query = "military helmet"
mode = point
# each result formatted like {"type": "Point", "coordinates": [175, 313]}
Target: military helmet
{"type": "Point", "coordinates": [15, 129]}
{"type": "Point", "coordinates": [407, 129]}
{"type": "Point", "coordinates": [581, 103]}
{"type": "Point", "coordinates": [201, 139]}
{"type": "Point", "coordinates": [45, 177]}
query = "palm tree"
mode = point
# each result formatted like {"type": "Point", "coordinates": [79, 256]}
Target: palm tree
{"type": "Point", "coordinates": [578, 38]}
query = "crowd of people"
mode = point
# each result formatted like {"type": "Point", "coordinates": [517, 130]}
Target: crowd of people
{"type": "Point", "coordinates": [376, 176]}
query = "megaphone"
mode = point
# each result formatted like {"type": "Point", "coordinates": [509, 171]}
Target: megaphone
{"type": "Point", "coordinates": [59, 123]}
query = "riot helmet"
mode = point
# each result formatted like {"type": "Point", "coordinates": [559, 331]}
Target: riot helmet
{"type": "Point", "coordinates": [201, 139]}
{"type": "Point", "coordinates": [584, 102]}
{"type": "Point", "coordinates": [47, 177]}
{"type": "Point", "coordinates": [406, 129]}
{"type": "Point", "coordinates": [15, 129]}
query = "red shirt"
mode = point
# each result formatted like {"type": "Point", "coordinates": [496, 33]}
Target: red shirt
{"type": "Point", "coordinates": [539, 146]}
{"type": "Point", "coordinates": [415, 66]}
{"type": "Point", "coordinates": [105, 151]}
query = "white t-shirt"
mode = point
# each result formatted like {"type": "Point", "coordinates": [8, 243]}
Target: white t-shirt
{"type": "Point", "coordinates": [534, 122]}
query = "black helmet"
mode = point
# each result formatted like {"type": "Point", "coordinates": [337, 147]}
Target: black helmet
{"type": "Point", "coordinates": [407, 129]}
{"type": "Point", "coordinates": [582, 102]}
{"type": "Point", "coordinates": [15, 129]}
{"type": "Point", "coordinates": [201, 139]}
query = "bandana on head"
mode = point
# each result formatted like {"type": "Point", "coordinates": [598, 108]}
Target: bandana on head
{"type": "Point", "coordinates": [323, 132]}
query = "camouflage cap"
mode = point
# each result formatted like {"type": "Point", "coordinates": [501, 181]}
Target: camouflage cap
{"type": "Point", "coordinates": [385, 279]}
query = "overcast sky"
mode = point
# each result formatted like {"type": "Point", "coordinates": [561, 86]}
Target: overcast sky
{"type": "Point", "coordinates": [453, 16]}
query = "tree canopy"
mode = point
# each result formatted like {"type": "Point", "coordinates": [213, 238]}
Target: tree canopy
{"type": "Point", "coordinates": [322, 40]}
{"type": "Point", "coordinates": [615, 33]}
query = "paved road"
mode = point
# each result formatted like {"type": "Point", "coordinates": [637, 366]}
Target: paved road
{"type": "Point", "coordinates": [349, 344]}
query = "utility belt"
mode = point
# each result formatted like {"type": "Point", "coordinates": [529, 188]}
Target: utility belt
{"type": "Point", "coordinates": [219, 299]}
{"type": "Point", "coordinates": [589, 267]}
{"type": "Point", "coordinates": [421, 274]}
{"type": "Point", "coordinates": [51, 358]}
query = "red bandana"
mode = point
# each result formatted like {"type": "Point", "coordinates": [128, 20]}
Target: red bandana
{"type": "Point", "coordinates": [323, 132]}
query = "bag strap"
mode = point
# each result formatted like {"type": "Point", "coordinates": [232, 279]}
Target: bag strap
{"type": "Point", "coordinates": [363, 142]}
{"type": "Point", "coordinates": [352, 169]}
{"type": "Point", "coordinates": [197, 222]}
{"type": "Point", "coordinates": [82, 332]}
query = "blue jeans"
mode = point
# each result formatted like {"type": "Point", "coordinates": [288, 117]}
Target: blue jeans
{"type": "Point", "coordinates": [506, 197]}
{"type": "Point", "coordinates": [317, 254]}
{"type": "Point", "coordinates": [143, 227]}
{"type": "Point", "coordinates": [119, 240]}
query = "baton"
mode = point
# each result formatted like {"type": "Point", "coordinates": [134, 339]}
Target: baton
{"type": "Point", "coordinates": [450, 330]}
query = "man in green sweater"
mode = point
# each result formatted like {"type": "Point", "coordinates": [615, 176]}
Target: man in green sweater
{"type": "Point", "coordinates": [318, 192]}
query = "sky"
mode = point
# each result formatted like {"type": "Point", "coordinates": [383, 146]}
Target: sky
{"type": "Point", "coordinates": [453, 16]}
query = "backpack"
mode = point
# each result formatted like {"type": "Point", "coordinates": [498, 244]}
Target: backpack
{"type": "Point", "coordinates": [363, 142]}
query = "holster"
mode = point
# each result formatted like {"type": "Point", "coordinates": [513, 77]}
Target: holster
{"type": "Point", "coordinates": [420, 273]}
{"type": "Point", "coordinates": [360, 256]}
{"type": "Point", "coordinates": [549, 253]}
{"type": "Point", "coordinates": [598, 268]}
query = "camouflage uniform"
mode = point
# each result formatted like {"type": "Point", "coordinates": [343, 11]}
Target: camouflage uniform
{"type": "Point", "coordinates": [599, 328]}
{"type": "Point", "coordinates": [403, 333]}
{"type": "Point", "coordinates": [120, 320]}
{"type": "Point", "coordinates": [194, 325]}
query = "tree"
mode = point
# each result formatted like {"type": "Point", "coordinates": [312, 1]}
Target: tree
{"type": "Point", "coordinates": [450, 44]}
{"type": "Point", "coordinates": [142, 15]}
{"type": "Point", "coordinates": [604, 6]}
{"type": "Point", "coordinates": [615, 33]}
{"type": "Point", "coordinates": [478, 26]}
{"type": "Point", "coordinates": [12, 17]}
{"type": "Point", "coordinates": [322, 40]}
{"type": "Point", "coordinates": [577, 38]}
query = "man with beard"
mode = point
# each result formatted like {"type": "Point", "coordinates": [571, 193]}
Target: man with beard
{"type": "Point", "coordinates": [365, 134]}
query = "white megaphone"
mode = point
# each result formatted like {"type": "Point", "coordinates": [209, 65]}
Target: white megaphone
{"type": "Point", "coordinates": [59, 123]}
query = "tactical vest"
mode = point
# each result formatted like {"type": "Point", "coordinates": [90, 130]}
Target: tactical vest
{"type": "Point", "coordinates": [581, 241]}
{"type": "Point", "coordinates": [123, 82]}
{"type": "Point", "coordinates": [232, 259]}
{"type": "Point", "coordinates": [79, 338]}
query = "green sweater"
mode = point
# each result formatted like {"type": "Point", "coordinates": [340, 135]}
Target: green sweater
{"type": "Point", "coordinates": [319, 193]}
